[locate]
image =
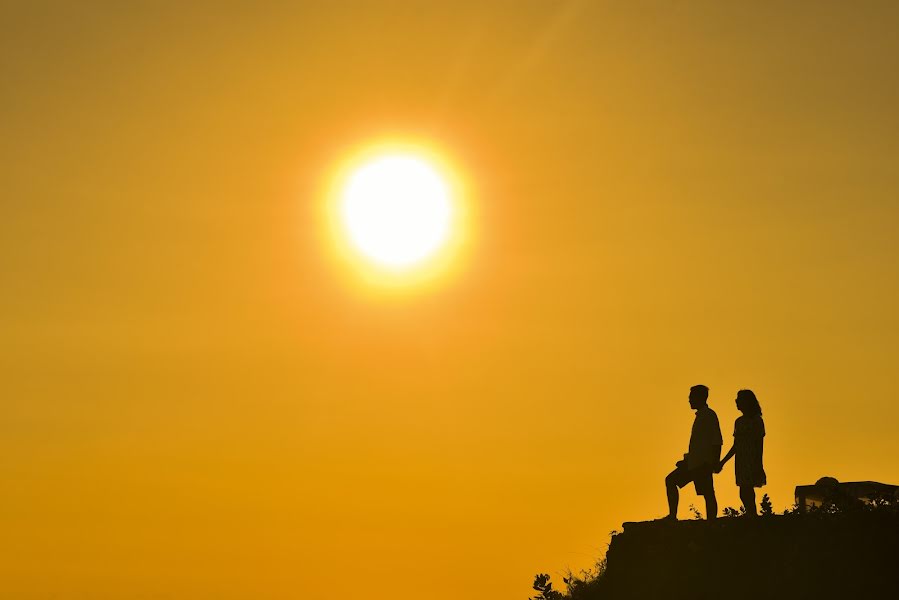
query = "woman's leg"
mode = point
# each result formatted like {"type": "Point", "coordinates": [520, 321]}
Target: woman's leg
{"type": "Point", "coordinates": [747, 495]}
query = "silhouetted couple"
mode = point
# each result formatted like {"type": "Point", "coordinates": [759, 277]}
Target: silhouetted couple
{"type": "Point", "coordinates": [703, 457]}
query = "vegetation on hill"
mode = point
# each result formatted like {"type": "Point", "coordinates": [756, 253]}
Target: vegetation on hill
{"type": "Point", "coordinates": [846, 549]}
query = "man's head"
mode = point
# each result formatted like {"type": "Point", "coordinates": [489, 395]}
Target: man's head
{"type": "Point", "coordinates": [699, 395]}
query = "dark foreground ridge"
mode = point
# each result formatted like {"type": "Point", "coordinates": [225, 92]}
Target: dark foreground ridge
{"type": "Point", "coordinates": [848, 555]}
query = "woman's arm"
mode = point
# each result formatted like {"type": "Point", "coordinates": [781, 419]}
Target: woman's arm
{"type": "Point", "coordinates": [727, 457]}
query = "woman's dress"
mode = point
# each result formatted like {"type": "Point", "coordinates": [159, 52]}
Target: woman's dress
{"type": "Point", "coordinates": [749, 434]}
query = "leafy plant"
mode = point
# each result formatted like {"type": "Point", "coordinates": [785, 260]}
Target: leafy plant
{"type": "Point", "coordinates": [793, 510]}
{"type": "Point", "coordinates": [767, 508]}
{"type": "Point", "coordinates": [543, 585]}
{"type": "Point", "coordinates": [731, 512]}
{"type": "Point", "coordinates": [576, 582]}
{"type": "Point", "coordinates": [695, 512]}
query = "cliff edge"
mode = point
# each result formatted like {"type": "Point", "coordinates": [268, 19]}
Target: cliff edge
{"type": "Point", "coordinates": [853, 555]}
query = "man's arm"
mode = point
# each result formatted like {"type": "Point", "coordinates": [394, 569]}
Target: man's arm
{"type": "Point", "coordinates": [711, 454]}
{"type": "Point", "coordinates": [710, 431]}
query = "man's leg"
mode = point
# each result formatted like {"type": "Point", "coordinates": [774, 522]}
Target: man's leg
{"type": "Point", "coordinates": [711, 506]}
{"type": "Point", "coordinates": [747, 496]}
{"type": "Point", "coordinates": [673, 495]}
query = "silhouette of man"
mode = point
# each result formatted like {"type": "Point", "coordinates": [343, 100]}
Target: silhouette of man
{"type": "Point", "coordinates": [702, 457]}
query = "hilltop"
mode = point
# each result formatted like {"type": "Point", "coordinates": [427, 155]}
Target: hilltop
{"type": "Point", "coordinates": [812, 555]}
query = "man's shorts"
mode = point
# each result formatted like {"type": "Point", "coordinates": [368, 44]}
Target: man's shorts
{"type": "Point", "coordinates": [700, 476]}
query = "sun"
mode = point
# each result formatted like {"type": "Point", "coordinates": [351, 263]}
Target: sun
{"type": "Point", "coordinates": [396, 210]}
{"type": "Point", "coordinates": [399, 215]}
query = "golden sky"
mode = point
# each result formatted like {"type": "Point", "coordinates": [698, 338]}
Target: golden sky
{"type": "Point", "coordinates": [200, 403]}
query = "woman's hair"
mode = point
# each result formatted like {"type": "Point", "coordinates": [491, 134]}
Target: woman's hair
{"type": "Point", "coordinates": [750, 403]}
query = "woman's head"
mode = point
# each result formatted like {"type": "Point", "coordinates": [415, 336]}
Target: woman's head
{"type": "Point", "coordinates": [747, 403]}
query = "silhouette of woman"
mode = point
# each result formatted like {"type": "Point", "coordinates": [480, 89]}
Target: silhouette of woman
{"type": "Point", "coordinates": [749, 434]}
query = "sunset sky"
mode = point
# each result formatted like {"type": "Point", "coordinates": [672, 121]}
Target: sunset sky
{"type": "Point", "coordinates": [203, 400]}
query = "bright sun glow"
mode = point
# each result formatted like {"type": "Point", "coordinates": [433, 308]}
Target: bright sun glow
{"type": "Point", "coordinates": [396, 210]}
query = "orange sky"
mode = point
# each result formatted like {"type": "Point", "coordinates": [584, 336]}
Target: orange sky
{"type": "Point", "coordinates": [199, 403]}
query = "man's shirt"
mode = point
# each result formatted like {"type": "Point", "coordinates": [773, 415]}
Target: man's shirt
{"type": "Point", "coordinates": [705, 440]}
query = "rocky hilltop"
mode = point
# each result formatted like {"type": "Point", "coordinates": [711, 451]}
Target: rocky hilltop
{"type": "Point", "coordinates": [813, 555]}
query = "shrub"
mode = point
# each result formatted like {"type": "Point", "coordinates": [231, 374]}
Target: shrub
{"type": "Point", "coordinates": [543, 585]}
{"type": "Point", "coordinates": [767, 508]}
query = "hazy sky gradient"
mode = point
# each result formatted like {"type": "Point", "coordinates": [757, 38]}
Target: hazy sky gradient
{"type": "Point", "coordinates": [200, 404]}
